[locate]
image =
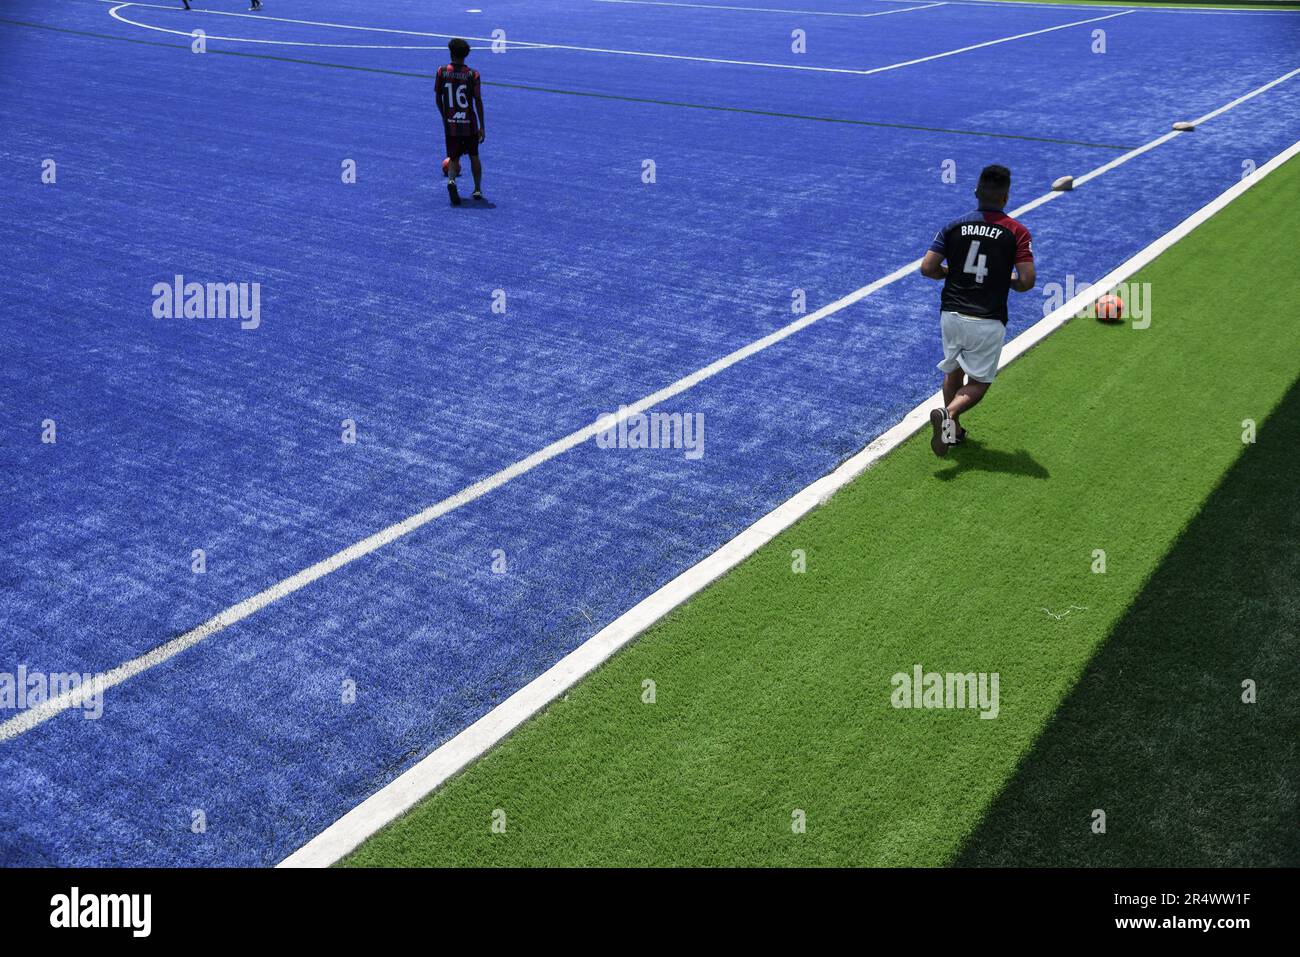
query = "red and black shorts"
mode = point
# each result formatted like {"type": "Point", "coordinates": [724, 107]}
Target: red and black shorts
{"type": "Point", "coordinates": [458, 146]}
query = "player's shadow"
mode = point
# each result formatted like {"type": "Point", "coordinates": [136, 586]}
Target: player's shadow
{"type": "Point", "coordinates": [971, 455]}
{"type": "Point", "coordinates": [472, 204]}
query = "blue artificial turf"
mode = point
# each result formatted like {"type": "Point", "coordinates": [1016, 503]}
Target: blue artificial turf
{"type": "Point", "coordinates": [376, 306]}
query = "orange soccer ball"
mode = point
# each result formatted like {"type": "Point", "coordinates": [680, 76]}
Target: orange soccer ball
{"type": "Point", "coordinates": [446, 165]}
{"type": "Point", "coordinates": [1110, 308]}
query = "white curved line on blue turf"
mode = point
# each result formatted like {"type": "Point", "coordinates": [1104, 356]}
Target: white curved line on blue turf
{"type": "Point", "coordinates": [189, 35]}
{"type": "Point", "coordinates": [802, 13]}
{"type": "Point", "coordinates": [533, 45]}
{"type": "Point", "coordinates": [25, 721]}
{"type": "Point", "coordinates": [522, 44]}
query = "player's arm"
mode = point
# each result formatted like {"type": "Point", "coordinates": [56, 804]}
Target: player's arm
{"type": "Point", "coordinates": [478, 108]}
{"type": "Point", "coordinates": [1024, 277]}
{"type": "Point", "coordinates": [932, 266]}
{"type": "Point", "coordinates": [439, 86]}
{"type": "Point", "coordinates": [1023, 274]}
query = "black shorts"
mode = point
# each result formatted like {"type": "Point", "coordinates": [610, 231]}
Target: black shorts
{"type": "Point", "coordinates": [458, 146]}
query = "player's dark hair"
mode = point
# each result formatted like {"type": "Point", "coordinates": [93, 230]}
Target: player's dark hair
{"type": "Point", "coordinates": [459, 48]}
{"type": "Point", "coordinates": [994, 184]}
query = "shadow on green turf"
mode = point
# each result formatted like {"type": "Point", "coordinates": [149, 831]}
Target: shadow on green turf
{"type": "Point", "coordinates": [972, 456]}
{"type": "Point", "coordinates": [1155, 733]}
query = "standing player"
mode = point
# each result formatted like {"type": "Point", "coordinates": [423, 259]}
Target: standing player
{"type": "Point", "coordinates": [988, 254]}
{"type": "Point", "coordinates": [457, 89]}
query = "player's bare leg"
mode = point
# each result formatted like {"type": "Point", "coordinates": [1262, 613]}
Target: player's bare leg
{"type": "Point", "coordinates": [952, 383]}
{"type": "Point", "coordinates": [943, 428]}
{"type": "Point", "coordinates": [959, 396]}
{"type": "Point", "coordinates": [966, 398]}
{"type": "Point", "coordinates": [476, 167]}
{"type": "Point", "coordinates": [453, 170]}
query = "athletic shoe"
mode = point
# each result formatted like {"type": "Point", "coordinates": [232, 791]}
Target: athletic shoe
{"type": "Point", "coordinates": [961, 436]}
{"type": "Point", "coordinates": [478, 194]}
{"type": "Point", "coordinates": [453, 192]}
{"type": "Point", "coordinates": [939, 420]}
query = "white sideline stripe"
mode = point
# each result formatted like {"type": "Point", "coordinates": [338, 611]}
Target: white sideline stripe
{"type": "Point", "coordinates": [532, 45]}
{"type": "Point", "coordinates": [1244, 97]}
{"type": "Point", "coordinates": [1158, 141]}
{"type": "Point", "coordinates": [802, 13]}
{"type": "Point", "coordinates": [430, 773]}
{"type": "Point", "coordinates": [47, 709]}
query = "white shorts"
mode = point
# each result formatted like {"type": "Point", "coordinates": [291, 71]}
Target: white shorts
{"type": "Point", "coordinates": [973, 344]}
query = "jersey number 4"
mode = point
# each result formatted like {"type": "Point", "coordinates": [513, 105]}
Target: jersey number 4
{"type": "Point", "coordinates": [976, 264]}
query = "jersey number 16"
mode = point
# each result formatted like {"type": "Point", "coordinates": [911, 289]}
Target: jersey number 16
{"type": "Point", "coordinates": [458, 98]}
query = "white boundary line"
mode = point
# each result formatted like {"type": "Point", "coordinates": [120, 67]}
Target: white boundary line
{"type": "Point", "coordinates": [189, 34]}
{"type": "Point", "coordinates": [400, 795]}
{"type": "Point", "coordinates": [532, 45]}
{"type": "Point", "coordinates": [26, 720]}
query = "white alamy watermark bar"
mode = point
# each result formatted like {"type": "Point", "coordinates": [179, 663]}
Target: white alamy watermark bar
{"type": "Point", "coordinates": [73, 910]}
{"type": "Point", "coordinates": [179, 299]}
{"type": "Point", "coordinates": [956, 691]}
{"type": "Point", "coordinates": [653, 430]}
{"type": "Point", "coordinates": [24, 688]}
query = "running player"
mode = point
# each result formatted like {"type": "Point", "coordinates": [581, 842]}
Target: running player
{"type": "Point", "coordinates": [988, 254]}
{"type": "Point", "coordinates": [457, 90]}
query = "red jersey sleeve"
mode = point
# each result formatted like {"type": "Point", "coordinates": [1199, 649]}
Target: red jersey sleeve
{"type": "Point", "coordinates": [1024, 245]}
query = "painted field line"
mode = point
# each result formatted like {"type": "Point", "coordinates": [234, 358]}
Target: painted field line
{"type": "Point", "coordinates": [1160, 140]}
{"type": "Point", "coordinates": [26, 720]}
{"type": "Point", "coordinates": [802, 13]}
{"type": "Point", "coordinates": [426, 776]}
{"type": "Point", "coordinates": [678, 104]}
{"type": "Point", "coordinates": [533, 45]}
{"type": "Point", "coordinates": [115, 13]}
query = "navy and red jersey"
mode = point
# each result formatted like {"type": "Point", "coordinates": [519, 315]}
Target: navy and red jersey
{"type": "Point", "coordinates": [457, 90]}
{"type": "Point", "coordinates": [981, 247]}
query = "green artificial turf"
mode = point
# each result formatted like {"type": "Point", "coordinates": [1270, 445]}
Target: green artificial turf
{"type": "Point", "coordinates": [773, 688]}
{"type": "Point", "coordinates": [1156, 733]}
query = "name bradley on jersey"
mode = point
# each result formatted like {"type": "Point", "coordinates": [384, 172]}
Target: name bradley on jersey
{"type": "Point", "coordinates": [981, 229]}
